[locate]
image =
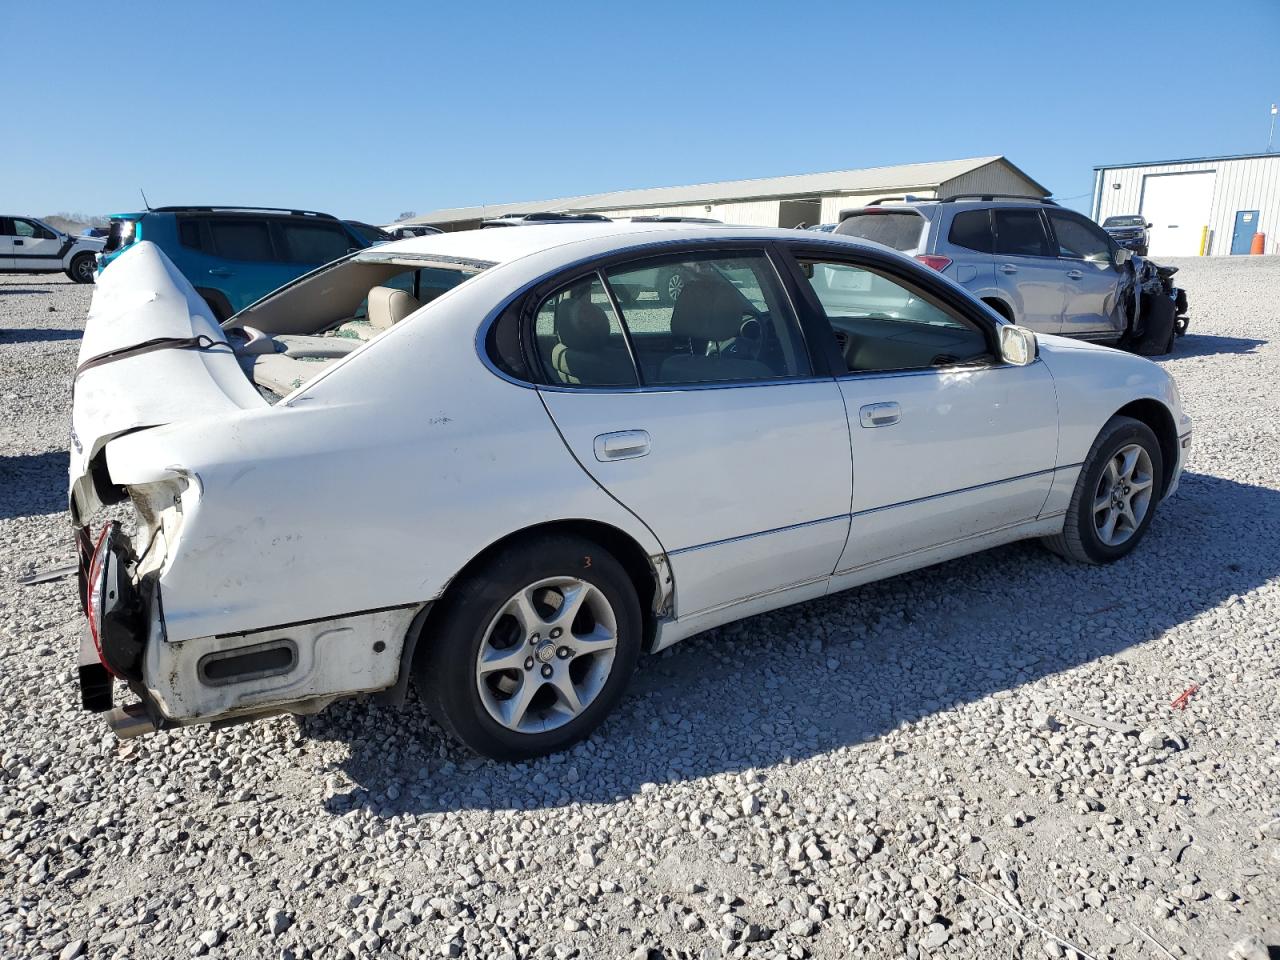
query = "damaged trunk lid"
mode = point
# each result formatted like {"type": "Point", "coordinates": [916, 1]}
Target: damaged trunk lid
{"type": "Point", "coordinates": [152, 354]}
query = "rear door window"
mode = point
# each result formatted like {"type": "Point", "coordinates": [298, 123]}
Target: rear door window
{"type": "Point", "coordinates": [580, 340]}
{"type": "Point", "coordinates": [971, 229]}
{"type": "Point", "coordinates": [314, 242]}
{"type": "Point", "coordinates": [726, 319]}
{"type": "Point", "coordinates": [1021, 233]}
{"type": "Point", "coordinates": [241, 239]}
{"type": "Point", "coordinates": [900, 230]}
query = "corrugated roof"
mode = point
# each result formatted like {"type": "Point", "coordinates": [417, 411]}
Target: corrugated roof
{"type": "Point", "coordinates": [898, 177]}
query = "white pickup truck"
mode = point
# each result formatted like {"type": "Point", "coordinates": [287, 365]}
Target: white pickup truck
{"type": "Point", "coordinates": [28, 245]}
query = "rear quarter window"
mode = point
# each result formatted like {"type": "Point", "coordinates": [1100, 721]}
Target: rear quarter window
{"type": "Point", "coordinates": [189, 234]}
{"type": "Point", "coordinates": [900, 230]}
{"type": "Point", "coordinates": [971, 229]}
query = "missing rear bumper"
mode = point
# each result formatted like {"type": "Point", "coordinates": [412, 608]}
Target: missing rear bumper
{"type": "Point", "coordinates": [97, 686]}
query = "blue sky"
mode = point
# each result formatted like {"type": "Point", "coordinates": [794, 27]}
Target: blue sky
{"type": "Point", "coordinates": [365, 110]}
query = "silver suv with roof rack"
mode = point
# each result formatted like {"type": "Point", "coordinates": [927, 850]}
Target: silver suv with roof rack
{"type": "Point", "coordinates": [1033, 262]}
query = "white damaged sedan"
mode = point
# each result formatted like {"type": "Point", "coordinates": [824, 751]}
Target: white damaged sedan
{"type": "Point", "coordinates": [503, 464]}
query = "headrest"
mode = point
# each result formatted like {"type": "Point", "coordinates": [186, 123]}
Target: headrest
{"type": "Point", "coordinates": [388, 306]}
{"type": "Point", "coordinates": [581, 325]}
{"type": "Point", "coordinates": [708, 310]}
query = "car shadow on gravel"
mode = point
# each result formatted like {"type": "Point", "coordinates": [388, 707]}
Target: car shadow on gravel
{"type": "Point", "coordinates": [1205, 345]}
{"type": "Point", "coordinates": [33, 484]}
{"type": "Point", "coordinates": [36, 334]}
{"type": "Point", "coordinates": [843, 670]}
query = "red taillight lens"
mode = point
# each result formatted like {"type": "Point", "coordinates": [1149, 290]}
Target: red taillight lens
{"type": "Point", "coordinates": [932, 260]}
{"type": "Point", "coordinates": [93, 608]}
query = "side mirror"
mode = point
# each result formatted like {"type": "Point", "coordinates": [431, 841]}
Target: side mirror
{"type": "Point", "coordinates": [1122, 256]}
{"type": "Point", "coordinates": [1017, 345]}
{"type": "Point", "coordinates": [1149, 225]}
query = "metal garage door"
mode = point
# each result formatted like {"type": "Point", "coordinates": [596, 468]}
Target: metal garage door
{"type": "Point", "coordinates": [1177, 205]}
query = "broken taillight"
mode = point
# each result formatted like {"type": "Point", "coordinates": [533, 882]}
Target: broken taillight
{"type": "Point", "coordinates": [933, 260]}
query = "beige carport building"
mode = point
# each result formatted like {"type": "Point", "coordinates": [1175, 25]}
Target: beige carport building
{"type": "Point", "coordinates": [806, 198]}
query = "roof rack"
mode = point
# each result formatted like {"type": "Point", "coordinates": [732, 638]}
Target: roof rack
{"type": "Point", "coordinates": [655, 218]}
{"type": "Point", "coordinates": [187, 208]}
{"type": "Point", "coordinates": [553, 216]}
{"type": "Point", "coordinates": [905, 198]}
{"type": "Point", "coordinates": [998, 196]}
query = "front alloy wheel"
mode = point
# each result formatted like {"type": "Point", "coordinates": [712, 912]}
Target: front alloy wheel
{"type": "Point", "coordinates": [1123, 495]}
{"type": "Point", "coordinates": [82, 267]}
{"type": "Point", "coordinates": [1115, 496]}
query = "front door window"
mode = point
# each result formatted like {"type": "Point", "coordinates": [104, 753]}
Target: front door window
{"type": "Point", "coordinates": [881, 323]}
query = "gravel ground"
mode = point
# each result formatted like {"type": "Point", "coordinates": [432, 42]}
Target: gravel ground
{"type": "Point", "coordinates": [976, 760]}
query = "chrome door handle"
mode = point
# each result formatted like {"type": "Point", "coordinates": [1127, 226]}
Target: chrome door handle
{"type": "Point", "coordinates": [1074, 274]}
{"type": "Point", "coordinates": [880, 414]}
{"type": "Point", "coordinates": [1008, 268]}
{"type": "Point", "coordinates": [623, 445]}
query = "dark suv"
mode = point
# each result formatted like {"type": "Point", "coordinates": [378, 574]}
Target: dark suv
{"type": "Point", "coordinates": [1130, 231]}
{"type": "Point", "coordinates": [235, 255]}
{"type": "Point", "coordinates": [1030, 260]}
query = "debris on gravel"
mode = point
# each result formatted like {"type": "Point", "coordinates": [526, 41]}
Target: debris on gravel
{"type": "Point", "coordinates": [976, 760]}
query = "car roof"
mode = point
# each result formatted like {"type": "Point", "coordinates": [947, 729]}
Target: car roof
{"type": "Point", "coordinates": [502, 246]}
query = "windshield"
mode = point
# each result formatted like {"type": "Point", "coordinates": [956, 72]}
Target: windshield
{"type": "Point", "coordinates": [900, 229]}
{"type": "Point", "coordinates": [1126, 221]}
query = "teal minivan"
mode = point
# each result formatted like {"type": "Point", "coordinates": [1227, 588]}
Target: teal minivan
{"type": "Point", "coordinates": [234, 256]}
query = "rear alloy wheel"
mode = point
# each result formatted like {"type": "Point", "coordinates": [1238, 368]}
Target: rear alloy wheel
{"type": "Point", "coordinates": [547, 654]}
{"type": "Point", "coordinates": [532, 651]}
{"type": "Point", "coordinates": [670, 284]}
{"type": "Point", "coordinates": [1115, 496]}
{"type": "Point", "coordinates": [82, 267]}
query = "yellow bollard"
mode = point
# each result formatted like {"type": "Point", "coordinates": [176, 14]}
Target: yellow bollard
{"type": "Point", "coordinates": [1204, 238]}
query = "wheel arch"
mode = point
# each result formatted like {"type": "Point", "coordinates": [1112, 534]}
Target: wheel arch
{"type": "Point", "coordinates": [218, 303]}
{"type": "Point", "coordinates": [1160, 419]}
{"type": "Point", "coordinates": [648, 574]}
{"type": "Point", "coordinates": [1000, 306]}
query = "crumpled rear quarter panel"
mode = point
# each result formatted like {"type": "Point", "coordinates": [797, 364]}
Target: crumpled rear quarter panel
{"type": "Point", "coordinates": [369, 488]}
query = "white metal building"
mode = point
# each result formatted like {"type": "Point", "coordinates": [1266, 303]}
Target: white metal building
{"type": "Point", "coordinates": [1207, 205]}
{"type": "Point", "coordinates": [773, 202]}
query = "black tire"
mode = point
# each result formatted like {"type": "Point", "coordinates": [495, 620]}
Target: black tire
{"type": "Point", "coordinates": [1161, 326]}
{"type": "Point", "coordinates": [82, 267]}
{"type": "Point", "coordinates": [445, 668]}
{"type": "Point", "coordinates": [1080, 540]}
